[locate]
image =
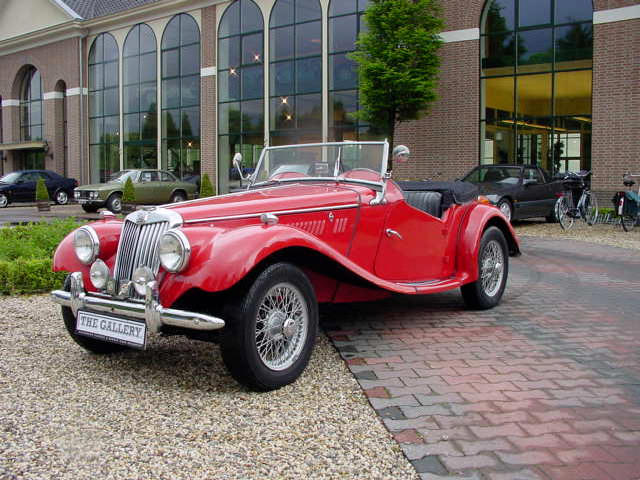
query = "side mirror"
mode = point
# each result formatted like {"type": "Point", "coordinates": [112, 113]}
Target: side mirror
{"type": "Point", "coordinates": [237, 163]}
{"type": "Point", "coordinates": [400, 154]}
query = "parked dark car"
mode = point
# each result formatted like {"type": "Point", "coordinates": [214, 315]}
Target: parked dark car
{"type": "Point", "coordinates": [20, 186]}
{"type": "Point", "coordinates": [519, 191]}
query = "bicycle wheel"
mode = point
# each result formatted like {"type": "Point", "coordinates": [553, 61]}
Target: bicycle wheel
{"type": "Point", "coordinates": [628, 222]}
{"type": "Point", "coordinates": [590, 208]}
{"type": "Point", "coordinates": [563, 213]}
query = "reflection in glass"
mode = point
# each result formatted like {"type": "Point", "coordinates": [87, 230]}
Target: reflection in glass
{"type": "Point", "coordinates": [574, 42]}
{"type": "Point", "coordinates": [342, 33]}
{"type": "Point", "coordinates": [573, 11]}
{"type": "Point", "coordinates": [31, 120]}
{"type": "Point", "coordinates": [535, 47]}
{"type": "Point", "coordinates": [534, 12]}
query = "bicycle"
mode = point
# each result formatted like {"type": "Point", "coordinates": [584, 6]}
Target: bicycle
{"type": "Point", "coordinates": [626, 203]}
{"type": "Point", "coordinates": [567, 209]}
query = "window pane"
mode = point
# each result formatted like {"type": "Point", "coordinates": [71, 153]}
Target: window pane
{"type": "Point", "coordinates": [251, 18]}
{"type": "Point", "coordinates": [341, 106]}
{"type": "Point", "coordinates": [535, 48]}
{"type": "Point", "coordinates": [131, 44]}
{"type": "Point", "coordinates": [281, 43]}
{"type": "Point", "coordinates": [171, 35]}
{"type": "Point", "coordinates": [95, 104]}
{"type": "Point", "coordinates": [149, 126]}
{"type": "Point", "coordinates": [307, 10]}
{"type": "Point", "coordinates": [171, 63]}
{"type": "Point", "coordinates": [252, 49]}
{"type": "Point", "coordinates": [308, 39]}
{"type": "Point", "coordinates": [499, 54]}
{"type": "Point", "coordinates": [36, 113]}
{"type": "Point", "coordinates": [148, 67]}
{"type": "Point", "coordinates": [499, 143]}
{"type": "Point", "coordinates": [282, 116]}
{"type": "Point", "coordinates": [111, 74]}
{"type": "Point", "coordinates": [342, 33]}
{"type": "Point", "coordinates": [131, 99]}
{"type": "Point", "coordinates": [282, 13]}
{"type": "Point", "coordinates": [252, 82]}
{"type": "Point", "coordinates": [229, 83]}
{"type": "Point", "coordinates": [341, 7]}
{"type": "Point", "coordinates": [343, 73]}
{"type": "Point", "coordinates": [96, 78]}
{"type": "Point", "coordinates": [95, 54]}
{"type": "Point", "coordinates": [534, 95]}
{"type": "Point", "coordinates": [229, 52]}
{"type": "Point", "coordinates": [148, 97]}
{"type": "Point", "coordinates": [534, 12]}
{"type": "Point", "coordinates": [574, 42]}
{"type": "Point", "coordinates": [309, 75]}
{"type": "Point", "coordinates": [147, 39]}
{"type": "Point", "coordinates": [189, 31]}
{"type": "Point", "coordinates": [190, 91]}
{"type": "Point", "coordinates": [573, 93]}
{"type": "Point", "coordinates": [111, 104]}
{"type": "Point", "coordinates": [252, 116]}
{"type": "Point", "coordinates": [110, 48]}
{"type": "Point", "coordinates": [309, 112]}
{"type": "Point", "coordinates": [282, 78]}
{"type": "Point", "coordinates": [190, 122]}
{"type": "Point", "coordinates": [171, 123]}
{"type": "Point", "coordinates": [190, 60]}
{"type": "Point", "coordinates": [131, 127]}
{"type": "Point", "coordinates": [171, 93]}
{"type": "Point", "coordinates": [499, 98]}
{"type": "Point", "coordinates": [130, 73]}
{"type": "Point", "coordinates": [230, 23]}
{"type": "Point", "coordinates": [574, 11]}
{"type": "Point", "coordinates": [229, 118]}
{"type": "Point", "coordinates": [111, 128]}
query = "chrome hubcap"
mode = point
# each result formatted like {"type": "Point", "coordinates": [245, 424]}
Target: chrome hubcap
{"type": "Point", "coordinates": [281, 326]}
{"type": "Point", "coordinates": [506, 210]}
{"type": "Point", "coordinates": [62, 197]}
{"type": "Point", "coordinates": [3, 201]}
{"type": "Point", "coordinates": [492, 268]}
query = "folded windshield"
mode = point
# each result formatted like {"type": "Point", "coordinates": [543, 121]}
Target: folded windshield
{"type": "Point", "coordinates": [327, 160]}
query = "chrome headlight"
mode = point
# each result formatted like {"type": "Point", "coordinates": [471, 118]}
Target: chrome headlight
{"type": "Point", "coordinates": [99, 274]}
{"type": "Point", "coordinates": [93, 195]}
{"type": "Point", "coordinates": [86, 244]}
{"type": "Point", "coordinates": [141, 276]}
{"type": "Point", "coordinates": [76, 194]}
{"type": "Point", "coordinates": [174, 251]}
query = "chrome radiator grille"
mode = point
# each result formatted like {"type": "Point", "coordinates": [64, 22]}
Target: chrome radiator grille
{"type": "Point", "coordinates": [137, 248]}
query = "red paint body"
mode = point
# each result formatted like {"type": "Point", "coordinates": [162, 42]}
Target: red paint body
{"type": "Point", "coordinates": [435, 254]}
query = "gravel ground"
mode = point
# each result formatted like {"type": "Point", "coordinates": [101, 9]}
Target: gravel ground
{"type": "Point", "coordinates": [603, 234]}
{"type": "Point", "coordinates": [172, 412]}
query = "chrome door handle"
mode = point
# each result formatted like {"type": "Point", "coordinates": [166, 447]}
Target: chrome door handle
{"type": "Point", "coordinates": [390, 233]}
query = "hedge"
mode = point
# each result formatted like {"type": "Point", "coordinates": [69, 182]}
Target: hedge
{"type": "Point", "coordinates": [29, 276]}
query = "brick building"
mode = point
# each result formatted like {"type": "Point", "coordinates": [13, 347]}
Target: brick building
{"type": "Point", "coordinates": [91, 87]}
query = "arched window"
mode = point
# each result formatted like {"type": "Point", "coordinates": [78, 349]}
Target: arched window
{"type": "Point", "coordinates": [295, 83]}
{"type": "Point", "coordinates": [537, 83]}
{"type": "Point", "coordinates": [345, 24]}
{"type": "Point", "coordinates": [104, 108]}
{"type": "Point", "coordinates": [140, 105]}
{"type": "Point", "coordinates": [181, 96]}
{"type": "Point", "coordinates": [31, 124]}
{"type": "Point", "coordinates": [240, 89]}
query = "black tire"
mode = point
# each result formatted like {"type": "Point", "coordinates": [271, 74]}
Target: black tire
{"type": "Point", "coordinates": [4, 200]}
{"type": "Point", "coordinates": [482, 295]}
{"type": "Point", "coordinates": [563, 213]}
{"type": "Point", "coordinates": [506, 208]}
{"type": "Point", "coordinates": [255, 323]}
{"type": "Point", "coordinates": [178, 197]}
{"type": "Point", "coordinates": [590, 208]}
{"type": "Point", "coordinates": [89, 208]}
{"type": "Point", "coordinates": [61, 197]}
{"type": "Point", "coordinates": [90, 344]}
{"type": "Point", "coordinates": [114, 202]}
{"type": "Point", "coordinates": [628, 222]}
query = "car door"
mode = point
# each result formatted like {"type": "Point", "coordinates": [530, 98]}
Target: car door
{"type": "Point", "coordinates": [168, 184]}
{"type": "Point", "coordinates": [25, 189]}
{"type": "Point", "coordinates": [412, 246]}
{"type": "Point", "coordinates": [147, 186]}
{"type": "Point", "coordinates": [534, 193]}
{"type": "Point", "coordinates": [50, 182]}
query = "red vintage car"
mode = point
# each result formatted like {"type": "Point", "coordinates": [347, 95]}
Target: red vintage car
{"type": "Point", "coordinates": [318, 223]}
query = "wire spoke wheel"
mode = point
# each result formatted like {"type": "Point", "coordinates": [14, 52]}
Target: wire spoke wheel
{"type": "Point", "coordinates": [590, 208]}
{"type": "Point", "coordinates": [492, 268]}
{"type": "Point", "coordinates": [281, 326]}
{"type": "Point", "coordinates": [628, 222]}
{"type": "Point", "coordinates": [563, 213]}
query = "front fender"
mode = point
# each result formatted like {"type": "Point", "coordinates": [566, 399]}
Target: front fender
{"type": "Point", "coordinates": [475, 223]}
{"type": "Point", "coordinates": [227, 256]}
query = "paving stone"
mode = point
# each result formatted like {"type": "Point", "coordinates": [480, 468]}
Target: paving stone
{"type": "Point", "coordinates": [429, 464]}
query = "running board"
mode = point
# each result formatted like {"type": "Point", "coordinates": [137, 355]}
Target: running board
{"type": "Point", "coordinates": [434, 286]}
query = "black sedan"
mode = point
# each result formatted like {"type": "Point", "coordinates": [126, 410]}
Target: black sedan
{"type": "Point", "coordinates": [20, 186]}
{"type": "Point", "coordinates": [519, 191]}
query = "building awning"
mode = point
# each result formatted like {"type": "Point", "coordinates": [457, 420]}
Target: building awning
{"type": "Point", "coordinates": [24, 146]}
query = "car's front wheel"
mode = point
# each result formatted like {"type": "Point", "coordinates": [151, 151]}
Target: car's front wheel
{"type": "Point", "coordinates": [4, 200]}
{"type": "Point", "coordinates": [61, 197]}
{"type": "Point", "coordinates": [178, 197]}
{"type": "Point", "coordinates": [506, 208]}
{"type": "Point", "coordinates": [114, 202]}
{"type": "Point", "coordinates": [272, 329]}
{"type": "Point", "coordinates": [493, 269]}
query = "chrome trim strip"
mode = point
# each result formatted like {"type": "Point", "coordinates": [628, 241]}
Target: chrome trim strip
{"type": "Point", "coordinates": [154, 314]}
{"type": "Point", "coordinates": [280, 212]}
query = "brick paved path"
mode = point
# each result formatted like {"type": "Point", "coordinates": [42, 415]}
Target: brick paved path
{"type": "Point", "coordinates": [547, 385]}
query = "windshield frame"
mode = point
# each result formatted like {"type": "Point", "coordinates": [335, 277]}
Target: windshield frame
{"type": "Point", "coordinates": [127, 173]}
{"type": "Point", "coordinates": [335, 178]}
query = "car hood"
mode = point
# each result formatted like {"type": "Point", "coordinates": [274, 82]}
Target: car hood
{"type": "Point", "coordinates": [268, 200]}
{"type": "Point", "coordinates": [101, 186]}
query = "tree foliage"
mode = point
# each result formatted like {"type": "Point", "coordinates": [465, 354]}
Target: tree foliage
{"type": "Point", "coordinates": [129, 193]}
{"type": "Point", "coordinates": [398, 61]}
{"type": "Point", "coordinates": [42, 195]}
{"type": "Point", "coordinates": [206, 189]}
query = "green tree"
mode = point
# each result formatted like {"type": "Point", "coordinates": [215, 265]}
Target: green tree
{"type": "Point", "coordinates": [129, 193]}
{"type": "Point", "coordinates": [42, 195]}
{"type": "Point", "coordinates": [206, 189]}
{"type": "Point", "coordinates": [398, 61]}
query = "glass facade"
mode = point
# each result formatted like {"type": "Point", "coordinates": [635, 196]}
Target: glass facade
{"type": "Point", "coordinates": [537, 83]}
{"type": "Point", "coordinates": [181, 96]}
{"type": "Point", "coordinates": [140, 113]}
{"type": "Point", "coordinates": [31, 118]}
{"type": "Point", "coordinates": [240, 90]}
{"type": "Point", "coordinates": [104, 108]}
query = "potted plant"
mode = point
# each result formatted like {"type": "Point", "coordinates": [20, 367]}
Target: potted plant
{"type": "Point", "coordinates": [128, 197]}
{"type": "Point", "coordinates": [206, 189]}
{"type": "Point", "coordinates": [42, 196]}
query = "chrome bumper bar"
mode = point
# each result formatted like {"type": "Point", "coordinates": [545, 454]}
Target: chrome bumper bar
{"type": "Point", "coordinates": [153, 314]}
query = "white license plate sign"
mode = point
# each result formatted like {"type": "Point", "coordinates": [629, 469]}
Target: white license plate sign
{"type": "Point", "coordinates": [111, 329]}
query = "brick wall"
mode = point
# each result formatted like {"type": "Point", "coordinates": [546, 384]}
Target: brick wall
{"type": "Point", "coordinates": [208, 96]}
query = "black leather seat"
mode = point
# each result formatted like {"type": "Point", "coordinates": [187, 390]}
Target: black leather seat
{"type": "Point", "coordinates": [429, 202]}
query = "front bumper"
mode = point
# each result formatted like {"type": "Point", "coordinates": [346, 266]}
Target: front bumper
{"type": "Point", "coordinates": [92, 202]}
{"type": "Point", "coordinates": [154, 315]}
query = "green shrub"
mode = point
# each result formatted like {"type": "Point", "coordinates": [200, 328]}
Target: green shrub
{"type": "Point", "coordinates": [41, 191]}
{"type": "Point", "coordinates": [129, 193]}
{"type": "Point", "coordinates": [206, 188]}
{"type": "Point", "coordinates": [29, 276]}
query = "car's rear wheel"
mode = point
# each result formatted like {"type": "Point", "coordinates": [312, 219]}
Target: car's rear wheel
{"type": "Point", "coordinates": [178, 197]}
{"type": "Point", "coordinates": [271, 329]}
{"type": "Point", "coordinates": [114, 202]}
{"type": "Point", "coordinates": [4, 200]}
{"type": "Point", "coordinates": [90, 344]}
{"type": "Point", "coordinates": [61, 197]}
{"type": "Point", "coordinates": [493, 269]}
{"type": "Point", "coordinates": [506, 208]}
{"type": "Point", "coordinates": [90, 208]}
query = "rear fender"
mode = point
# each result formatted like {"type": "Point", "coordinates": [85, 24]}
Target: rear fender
{"type": "Point", "coordinates": [474, 225]}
